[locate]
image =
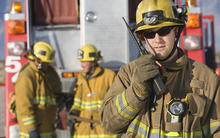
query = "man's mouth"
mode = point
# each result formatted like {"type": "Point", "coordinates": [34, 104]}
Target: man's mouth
{"type": "Point", "coordinates": [159, 48]}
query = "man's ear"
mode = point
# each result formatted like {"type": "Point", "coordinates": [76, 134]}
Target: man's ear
{"type": "Point", "coordinates": [140, 36]}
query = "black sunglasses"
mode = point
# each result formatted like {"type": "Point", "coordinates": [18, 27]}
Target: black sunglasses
{"type": "Point", "coordinates": [162, 32]}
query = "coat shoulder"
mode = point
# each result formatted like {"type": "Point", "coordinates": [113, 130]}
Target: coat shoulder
{"type": "Point", "coordinates": [202, 71]}
{"type": "Point", "coordinates": [109, 71]}
{"type": "Point", "coordinates": [26, 70]}
{"type": "Point", "coordinates": [128, 68]}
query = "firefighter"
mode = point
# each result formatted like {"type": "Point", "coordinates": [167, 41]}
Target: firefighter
{"type": "Point", "coordinates": [92, 85]}
{"type": "Point", "coordinates": [190, 104]}
{"type": "Point", "coordinates": [35, 91]}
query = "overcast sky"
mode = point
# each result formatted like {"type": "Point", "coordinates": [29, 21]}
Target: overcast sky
{"type": "Point", "coordinates": [208, 7]}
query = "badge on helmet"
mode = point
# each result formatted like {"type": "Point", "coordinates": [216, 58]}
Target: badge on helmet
{"type": "Point", "coordinates": [159, 13]}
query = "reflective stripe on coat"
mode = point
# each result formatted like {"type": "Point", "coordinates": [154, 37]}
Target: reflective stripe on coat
{"type": "Point", "coordinates": [35, 100]}
{"type": "Point", "coordinates": [88, 99]}
{"type": "Point", "coordinates": [187, 80]}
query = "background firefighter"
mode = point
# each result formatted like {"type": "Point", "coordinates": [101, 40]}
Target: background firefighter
{"type": "Point", "coordinates": [190, 105]}
{"type": "Point", "coordinates": [35, 91]}
{"type": "Point", "coordinates": [92, 85]}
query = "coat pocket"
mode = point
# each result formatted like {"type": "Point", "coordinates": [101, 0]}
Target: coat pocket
{"type": "Point", "coordinates": [197, 86]}
{"type": "Point", "coordinates": [196, 104]}
{"type": "Point", "coordinates": [192, 121]}
{"type": "Point", "coordinates": [196, 99]}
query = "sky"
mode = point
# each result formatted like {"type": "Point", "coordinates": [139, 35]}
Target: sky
{"type": "Point", "coordinates": [3, 9]}
{"type": "Point", "coordinates": [208, 7]}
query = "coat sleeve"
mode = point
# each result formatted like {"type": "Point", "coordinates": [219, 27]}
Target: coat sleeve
{"type": "Point", "coordinates": [211, 119]}
{"type": "Point", "coordinates": [111, 78]}
{"type": "Point", "coordinates": [54, 84]}
{"type": "Point", "coordinates": [57, 86]}
{"type": "Point", "coordinates": [120, 105]}
{"type": "Point", "coordinates": [215, 112]}
{"type": "Point", "coordinates": [24, 91]}
{"type": "Point", "coordinates": [77, 96]}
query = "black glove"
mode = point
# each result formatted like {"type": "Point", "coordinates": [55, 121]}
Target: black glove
{"type": "Point", "coordinates": [146, 69]}
{"type": "Point", "coordinates": [69, 102]}
{"type": "Point", "coordinates": [34, 133]}
{"type": "Point", "coordinates": [71, 122]}
{"type": "Point", "coordinates": [74, 112]}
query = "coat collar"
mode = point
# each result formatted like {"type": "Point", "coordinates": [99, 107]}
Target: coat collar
{"type": "Point", "coordinates": [176, 62]}
{"type": "Point", "coordinates": [98, 71]}
{"type": "Point", "coordinates": [33, 66]}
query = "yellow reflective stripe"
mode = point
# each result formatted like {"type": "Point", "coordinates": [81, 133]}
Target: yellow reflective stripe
{"type": "Point", "coordinates": [44, 100]}
{"type": "Point", "coordinates": [212, 127]}
{"type": "Point", "coordinates": [87, 104]}
{"type": "Point", "coordinates": [95, 136]}
{"type": "Point", "coordinates": [165, 133]}
{"type": "Point", "coordinates": [192, 134]}
{"type": "Point", "coordinates": [142, 131]}
{"type": "Point", "coordinates": [29, 120]}
{"type": "Point", "coordinates": [123, 108]}
{"type": "Point", "coordinates": [24, 135]}
{"type": "Point", "coordinates": [108, 99]}
{"type": "Point", "coordinates": [138, 128]}
{"type": "Point", "coordinates": [43, 135]}
{"type": "Point", "coordinates": [128, 107]}
{"type": "Point", "coordinates": [46, 135]}
{"type": "Point", "coordinates": [173, 134]}
{"type": "Point", "coordinates": [215, 123]}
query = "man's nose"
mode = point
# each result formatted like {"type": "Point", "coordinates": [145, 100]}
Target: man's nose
{"type": "Point", "coordinates": [157, 37]}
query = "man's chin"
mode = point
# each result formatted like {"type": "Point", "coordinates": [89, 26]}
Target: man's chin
{"type": "Point", "coordinates": [160, 56]}
{"type": "Point", "coordinates": [85, 71]}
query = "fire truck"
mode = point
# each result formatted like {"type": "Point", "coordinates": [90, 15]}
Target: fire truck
{"type": "Point", "coordinates": [66, 25]}
{"type": "Point", "coordinates": [197, 40]}
{"type": "Point", "coordinates": [69, 24]}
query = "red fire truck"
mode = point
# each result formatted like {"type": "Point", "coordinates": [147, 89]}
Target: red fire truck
{"type": "Point", "coordinates": [197, 40]}
{"type": "Point", "coordinates": [66, 25]}
{"type": "Point", "coordinates": [69, 24]}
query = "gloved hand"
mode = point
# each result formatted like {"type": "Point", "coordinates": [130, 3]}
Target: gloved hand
{"type": "Point", "coordinates": [146, 69]}
{"type": "Point", "coordinates": [71, 122]}
{"type": "Point", "coordinates": [34, 133]}
{"type": "Point", "coordinates": [74, 112]}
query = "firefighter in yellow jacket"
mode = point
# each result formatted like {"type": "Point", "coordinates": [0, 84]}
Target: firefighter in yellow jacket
{"type": "Point", "coordinates": [35, 91]}
{"type": "Point", "coordinates": [92, 85]}
{"type": "Point", "coordinates": [189, 104]}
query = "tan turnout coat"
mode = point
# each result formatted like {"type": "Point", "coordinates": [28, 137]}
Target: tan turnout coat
{"type": "Point", "coordinates": [187, 80]}
{"type": "Point", "coordinates": [35, 100]}
{"type": "Point", "coordinates": [88, 99]}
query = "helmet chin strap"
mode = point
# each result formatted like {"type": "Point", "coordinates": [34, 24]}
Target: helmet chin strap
{"type": "Point", "coordinates": [90, 72]}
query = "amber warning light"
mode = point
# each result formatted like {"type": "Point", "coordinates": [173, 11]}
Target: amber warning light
{"type": "Point", "coordinates": [16, 22]}
{"type": "Point", "coordinates": [16, 7]}
{"type": "Point", "coordinates": [70, 74]}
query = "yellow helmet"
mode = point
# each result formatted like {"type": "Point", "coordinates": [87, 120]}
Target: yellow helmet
{"type": "Point", "coordinates": [88, 53]}
{"type": "Point", "coordinates": [42, 51]}
{"type": "Point", "coordinates": [158, 13]}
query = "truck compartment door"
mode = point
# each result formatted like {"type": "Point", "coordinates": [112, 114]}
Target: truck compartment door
{"type": "Point", "coordinates": [101, 24]}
